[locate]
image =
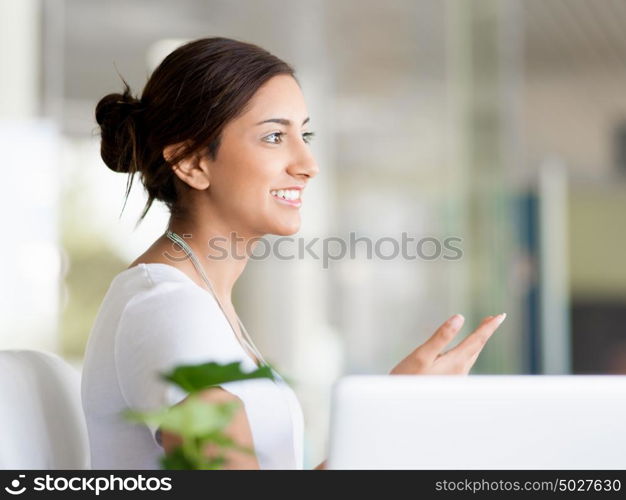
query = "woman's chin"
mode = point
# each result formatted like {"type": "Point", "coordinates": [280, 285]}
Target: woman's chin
{"type": "Point", "coordinates": [286, 230]}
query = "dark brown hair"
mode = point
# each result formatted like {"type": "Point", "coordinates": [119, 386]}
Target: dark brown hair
{"type": "Point", "coordinates": [189, 98]}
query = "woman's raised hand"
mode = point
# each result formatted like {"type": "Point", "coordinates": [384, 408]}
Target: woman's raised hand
{"type": "Point", "coordinates": [428, 358]}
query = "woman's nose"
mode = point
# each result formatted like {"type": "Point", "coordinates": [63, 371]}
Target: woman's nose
{"type": "Point", "coordinates": [305, 164]}
{"type": "Point", "coordinates": [311, 168]}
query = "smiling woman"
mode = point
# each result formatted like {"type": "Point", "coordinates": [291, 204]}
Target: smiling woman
{"type": "Point", "coordinates": [219, 136]}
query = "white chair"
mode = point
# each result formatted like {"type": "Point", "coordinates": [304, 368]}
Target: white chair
{"type": "Point", "coordinates": [42, 425]}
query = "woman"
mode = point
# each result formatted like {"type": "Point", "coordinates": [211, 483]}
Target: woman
{"type": "Point", "coordinates": [220, 136]}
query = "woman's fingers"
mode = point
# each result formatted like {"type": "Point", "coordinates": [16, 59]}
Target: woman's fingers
{"type": "Point", "coordinates": [430, 358]}
{"type": "Point", "coordinates": [442, 337]}
{"type": "Point", "coordinates": [471, 361]}
{"type": "Point", "coordinates": [473, 343]}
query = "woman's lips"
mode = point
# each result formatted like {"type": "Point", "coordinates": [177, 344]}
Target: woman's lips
{"type": "Point", "coordinates": [292, 203]}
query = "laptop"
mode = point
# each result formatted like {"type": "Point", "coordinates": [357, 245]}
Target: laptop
{"type": "Point", "coordinates": [478, 422]}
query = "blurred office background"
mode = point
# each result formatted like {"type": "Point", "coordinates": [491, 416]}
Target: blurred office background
{"type": "Point", "coordinates": [500, 122]}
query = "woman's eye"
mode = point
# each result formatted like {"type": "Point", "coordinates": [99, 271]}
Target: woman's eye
{"type": "Point", "coordinates": [275, 134]}
{"type": "Point", "coordinates": [306, 137]}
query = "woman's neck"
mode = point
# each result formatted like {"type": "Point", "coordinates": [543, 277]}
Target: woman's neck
{"type": "Point", "coordinates": [220, 251]}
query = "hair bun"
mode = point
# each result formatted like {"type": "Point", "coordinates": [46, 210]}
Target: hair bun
{"type": "Point", "coordinates": [116, 114]}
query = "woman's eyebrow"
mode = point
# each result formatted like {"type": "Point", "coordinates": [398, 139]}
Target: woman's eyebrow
{"type": "Point", "coordinates": [282, 121]}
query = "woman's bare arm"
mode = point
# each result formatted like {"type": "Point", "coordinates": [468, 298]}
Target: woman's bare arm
{"type": "Point", "coordinates": [238, 430]}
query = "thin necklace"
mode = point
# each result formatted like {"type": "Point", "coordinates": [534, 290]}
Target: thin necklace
{"type": "Point", "coordinates": [177, 239]}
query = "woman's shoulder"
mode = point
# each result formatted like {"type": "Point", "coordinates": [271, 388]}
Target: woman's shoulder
{"type": "Point", "coordinates": [155, 276]}
{"type": "Point", "coordinates": [162, 288]}
{"type": "Point", "coordinates": [163, 298]}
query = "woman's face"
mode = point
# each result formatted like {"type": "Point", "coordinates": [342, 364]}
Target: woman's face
{"type": "Point", "coordinates": [261, 152]}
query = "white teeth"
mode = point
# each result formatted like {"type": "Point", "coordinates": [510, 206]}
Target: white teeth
{"type": "Point", "coordinates": [286, 194]}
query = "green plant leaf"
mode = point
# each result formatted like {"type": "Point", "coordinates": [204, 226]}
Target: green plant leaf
{"type": "Point", "coordinates": [223, 440]}
{"type": "Point", "coordinates": [147, 417]}
{"type": "Point", "coordinates": [197, 421]}
{"type": "Point", "coordinates": [193, 417]}
{"type": "Point", "coordinates": [197, 417]}
{"type": "Point", "coordinates": [194, 378]}
{"type": "Point", "coordinates": [177, 460]}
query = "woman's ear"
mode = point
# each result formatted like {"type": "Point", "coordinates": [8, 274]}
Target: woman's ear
{"type": "Point", "coordinates": [190, 169]}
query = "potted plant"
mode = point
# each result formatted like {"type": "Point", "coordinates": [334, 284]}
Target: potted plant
{"type": "Point", "coordinates": [198, 421]}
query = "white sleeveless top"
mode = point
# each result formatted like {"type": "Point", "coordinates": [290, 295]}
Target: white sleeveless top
{"type": "Point", "coordinates": [154, 317]}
